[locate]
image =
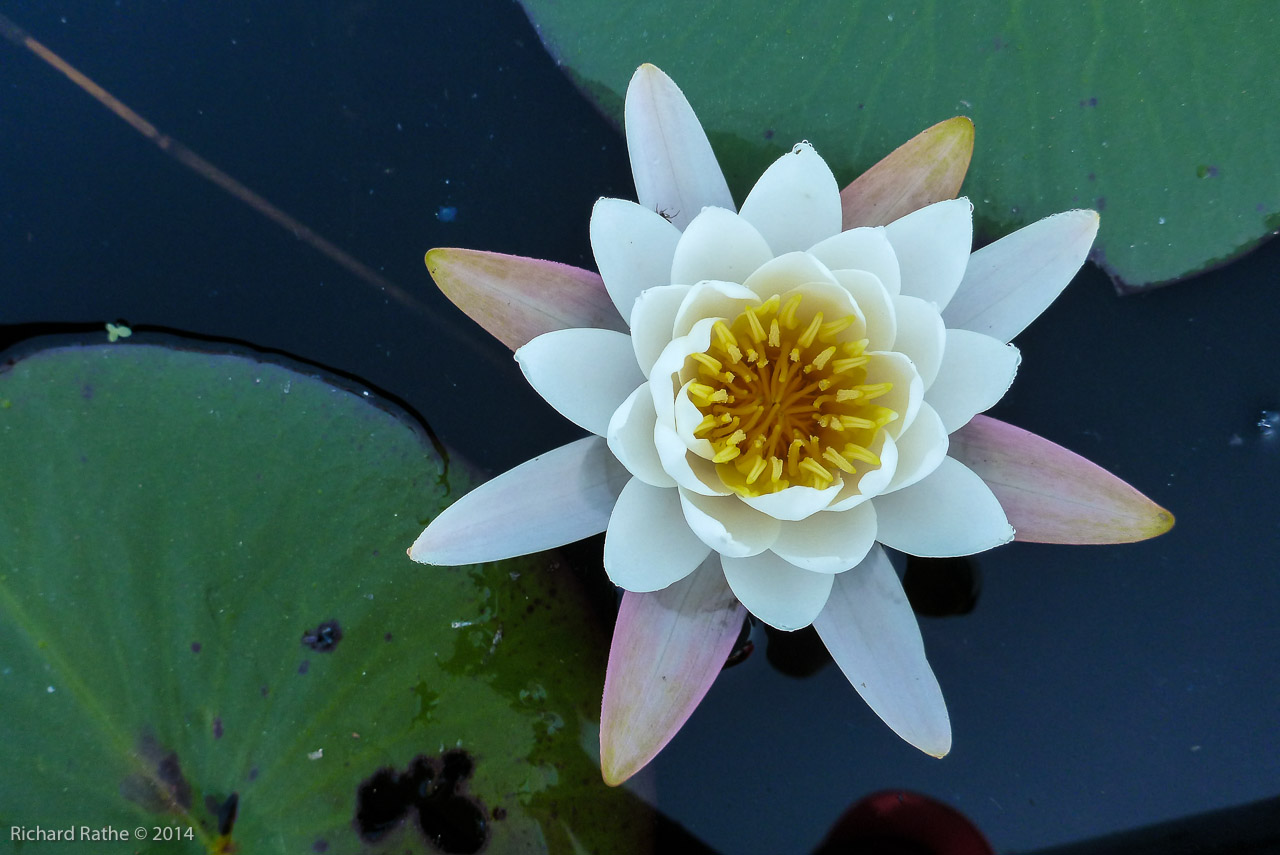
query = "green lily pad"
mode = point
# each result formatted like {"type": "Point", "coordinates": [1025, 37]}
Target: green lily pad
{"type": "Point", "coordinates": [1160, 115]}
{"type": "Point", "coordinates": [205, 604]}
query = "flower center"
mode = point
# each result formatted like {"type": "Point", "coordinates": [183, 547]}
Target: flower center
{"type": "Point", "coordinates": [784, 399]}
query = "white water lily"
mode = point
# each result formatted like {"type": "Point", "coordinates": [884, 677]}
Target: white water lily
{"type": "Point", "coordinates": [779, 402]}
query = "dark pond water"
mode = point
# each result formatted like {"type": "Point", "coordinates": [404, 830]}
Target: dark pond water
{"type": "Point", "coordinates": [1091, 689]}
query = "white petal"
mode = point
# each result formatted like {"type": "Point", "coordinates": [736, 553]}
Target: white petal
{"type": "Point", "coordinates": [796, 503]}
{"type": "Point", "coordinates": [790, 270]}
{"type": "Point", "coordinates": [553, 499]}
{"type": "Point", "coordinates": [920, 449]}
{"type": "Point", "coordinates": [864, 248]}
{"type": "Point", "coordinates": [871, 632]}
{"type": "Point", "coordinates": [688, 417]}
{"type": "Point", "coordinates": [951, 512]}
{"type": "Point", "coordinates": [633, 247]}
{"type": "Point", "coordinates": [709, 300]}
{"type": "Point", "coordinates": [829, 542]}
{"type": "Point", "coordinates": [874, 481]}
{"type": "Point", "coordinates": [727, 525]}
{"type": "Point", "coordinates": [776, 591]}
{"type": "Point", "coordinates": [652, 321]}
{"type": "Point", "coordinates": [921, 335]}
{"type": "Point", "coordinates": [648, 544]}
{"type": "Point", "coordinates": [675, 170]}
{"type": "Point", "coordinates": [1010, 282]}
{"type": "Point", "coordinates": [585, 374]}
{"type": "Point", "coordinates": [875, 304]}
{"type": "Point", "coordinates": [933, 246]}
{"type": "Point", "coordinates": [688, 470]}
{"type": "Point", "coordinates": [907, 393]}
{"type": "Point", "coordinates": [720, 245]}
{"type": "Point", "coordinates": [976, 372]}
{"type": "Point", "coordinates": [796, 202]}
{"type": "Point", "coordinates": [631, 438]}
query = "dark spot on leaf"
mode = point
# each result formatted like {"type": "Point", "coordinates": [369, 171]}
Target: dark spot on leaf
{"type": "Point", "coordinates": [320, 846]}
{"type": "Point", "coordinates": [500, 813]}
{"type": "Point", "coordinates": [265, 691]}
{"type": "Point", "coordinates": [253, 774]}
{"type": "Point", "coordinates": [225, 811]}
{"type": "Point", "coordinates": [86, 391]}
{"type": "Point", "coordinates": [433, 788]}
{"type": "Point", "coordinates": [217, 727]}
{"type": "Point", "coordinates": [1100, 203]}
{"type": "Point", "coordinates": [324, 638]}
{"type": "Point", "coordinates": [768, 133]}
{"type": "Point", "coordinates": [938, 587]}
{"type": "Point", "coordinates": [195, 647]}
{"type": "Point", "coordinates": [1204, 170]}
{"type": "Point", "coordinates": [304, 666]}
{"type": "Point", "coordinates": [162, 788]}
{"type": "Point", "coordinates": [386, 637]}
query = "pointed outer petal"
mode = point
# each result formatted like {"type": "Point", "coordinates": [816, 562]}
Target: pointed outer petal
{"type": "Point", "coordinates": [719, 245]}
{"type": "Point", "coordinates": [776, 591]}
{"type": "Point", "coordinates": [553, 499]}
{"type": "Point", "coordinates": [949, 513]}
{"type": "Point", "coordinates": [668, 647]}
{"type": "Point", "coordinates": [829, 542]}
{"type": "Point", "coordinates": [874, 481]}
{"type": "Point", "coordinates": [648, 545]}
{"type": "Point", "coordinates": [585, 374]}
{"type": "Point", "coordinates": [796, 202]}
{"type": "Point", "coordinates": [921, 335]}
{"type": "Point", "coordinates": [796, 503]}
{"type": "Point", "coordinates": [933, 246]}
{"type": "Point", "coordinates": [920, 449]}
{"type": "Point", "coordinates": [1010, 282]}
{"type": "Point", "coordinates": [927, 168]}
{"type": "Point", "coordinates": [786, 272]}
{"type": "Point", "coordinates": [907, 393]}
{"type": "Point", "coordinates": [709, 300]}
{"type": "Point", "coordinates": [872, 634]}
{"type": "Point", "coordinates": [862, 249]}
{"type": "Point", "coordinates": [652, 320]}
{"type": "Point", "coordinates": [876, 305]}
{"type": "Point", "coordinates": [1053, 495]}
{"type": "Point", "coordinates": [517, 299]}
{"type": "Point", "coordinates": [633, 247]}
{"type": "Point", "coordinates": [675, 170]}
{"type": "Point", "coordinates": [976, 372]}
{"type": "Point", "coordinates": [630, 438]}
{"type": "Point", "coordinates": [688, 417]}
{"type": "Point", "coordinates": [727, 525]}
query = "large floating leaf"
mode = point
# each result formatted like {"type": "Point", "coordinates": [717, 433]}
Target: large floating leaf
{"type": "Point", "coordinates": [204, 592]}
{"type": "Point", "coordinates": [1161, 115]}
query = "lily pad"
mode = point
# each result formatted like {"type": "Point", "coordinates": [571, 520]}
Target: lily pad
{"type": "Point", "coordinates": [1158, 115]}
{"type": "Point", "coordinates": [210, 632]}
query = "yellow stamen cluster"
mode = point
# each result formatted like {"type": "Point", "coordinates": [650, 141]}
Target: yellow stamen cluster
{"type": "Point", "coordinates": [784, 398]}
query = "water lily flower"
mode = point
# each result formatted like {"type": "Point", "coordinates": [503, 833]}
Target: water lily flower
{"type": "Point", "coordinates": [775, 394]}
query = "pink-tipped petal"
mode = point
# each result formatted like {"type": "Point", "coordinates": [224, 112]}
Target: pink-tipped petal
{"type": "Point", "coordinates": [871, 632]}
{"type": "Point", "coordinates": [927, 168]}
{"type": "Point", "coordinates": [668, 646]}
{"type": "Point", "coordinates": [675, 170]}
{"type": "Point", "coordinates": [1053, 495]}
{"type": "Point", "coordinates": [555, 498]}
{"type": "Point", "coordinates": [1010, 282]}
{"type": "Point", "coordinates": [517, 298]}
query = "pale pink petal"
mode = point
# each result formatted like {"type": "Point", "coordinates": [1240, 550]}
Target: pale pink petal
{"type": "Point", "coordinates": [776, 591]}
{"type": "Point", "coordinates": [1053, 495]}
{"type": "Point", "coordinates": [1010, 282]}
{"type": "Point", "coordinates": [517, 299]}
{"type": "Point", "coordinates": [871, 633]}
{"type": "Point", "coordinates": [829, 542]}
{"type": "Point", "coordinates": [555, 498]}
{"type": "Point", "coordinates": [865, 249]}
{"type": "Point", "coordinates": [727, 525]}
{"type": "Point", "coordinates": [951, 512]}
{"type": "Point", "coordinates": [668, 647]}
{"type": "Point", "coordinates": [648, 545]}
{"type": "Point", "coordinates": [796, 202]}
{"type": "Point", "coordinates": [921, 335]}
{"type": "Point", "coordinates": [718, 245]}
{"type": "Point", "coordinates": [920, 449]}
{"type": "Point", "coordinates": [976, 372]}
{"type": "Point", "coordinates": [653, 320]}
{"type": "Point", "coordinates": [630, 438]}
{"type": "Point", "coordinates": [633, 247]}
{"type": "Point", "coordinates": [933, 246]}
{"type": "Point", "coordinates": [585, 374]}
{"type": "Point", "coordinates": [675, 170]}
